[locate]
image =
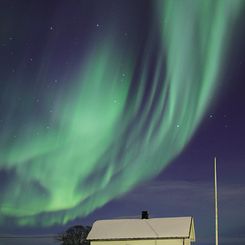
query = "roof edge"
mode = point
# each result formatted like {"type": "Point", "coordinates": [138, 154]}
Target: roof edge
{"type": "Point", "coordinates": [139, 238]}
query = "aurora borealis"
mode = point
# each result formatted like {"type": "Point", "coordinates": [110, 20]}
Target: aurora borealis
{"type": "Point", "coordinates": [88, 123]}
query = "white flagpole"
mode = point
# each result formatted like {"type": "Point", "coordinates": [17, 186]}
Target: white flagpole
{"type": "Point", "coordinates": [216, 203]}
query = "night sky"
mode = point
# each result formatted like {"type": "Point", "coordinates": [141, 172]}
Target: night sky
{"type": "Point", "coordinates": [108, 108]}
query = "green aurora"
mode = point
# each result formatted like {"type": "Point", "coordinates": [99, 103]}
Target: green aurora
{"type": "Point", "coordinates": [107, 132]}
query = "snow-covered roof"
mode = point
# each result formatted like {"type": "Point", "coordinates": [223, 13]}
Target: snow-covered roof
{"type": "Point", "coordinates": [157, 228]}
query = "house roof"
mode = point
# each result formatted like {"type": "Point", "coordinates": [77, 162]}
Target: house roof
{"type": "Point", "coordinates": [157, 228]}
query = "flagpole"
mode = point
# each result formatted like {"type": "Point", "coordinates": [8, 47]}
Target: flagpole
{"type": "Point", "coordinates": [216, 203]}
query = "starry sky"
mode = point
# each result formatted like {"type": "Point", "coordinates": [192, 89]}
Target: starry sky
{"type": "Point", "coordinates": [110, 107]}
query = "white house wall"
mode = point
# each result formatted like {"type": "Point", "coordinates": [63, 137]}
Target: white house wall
{"type": "Point", "coordinates": [187, 242]}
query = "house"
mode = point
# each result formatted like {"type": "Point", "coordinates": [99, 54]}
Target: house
{"type": "Point", "coordinates": [144, 231]}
